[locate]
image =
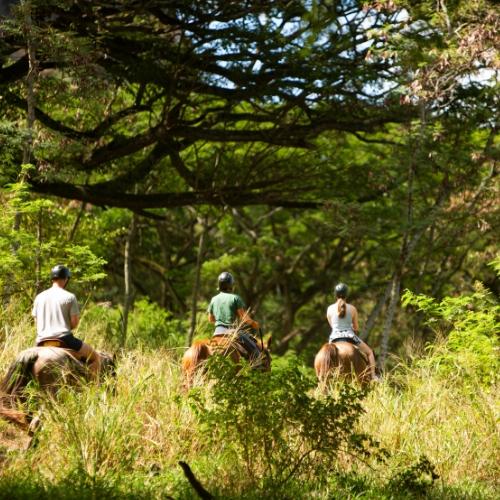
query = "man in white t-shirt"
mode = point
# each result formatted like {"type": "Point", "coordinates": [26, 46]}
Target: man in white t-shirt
{"type": "Point", "coordinates": [56, 314]}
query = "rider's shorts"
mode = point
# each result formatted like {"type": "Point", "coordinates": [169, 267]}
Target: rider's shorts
{"type": "Point", "coordinates": [69, 341]}
{"type": "Point", "coordinates": [344, 336]}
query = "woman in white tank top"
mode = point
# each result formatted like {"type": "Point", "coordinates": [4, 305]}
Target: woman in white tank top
{"type": "Point", "coordinates": [343, 318]}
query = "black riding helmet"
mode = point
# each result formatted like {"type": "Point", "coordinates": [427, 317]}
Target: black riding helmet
{"type": "Point", "coordinates": [226, 281]}
{"type": "Point", "coordinates": [341, 290]}
{"type": "Point", "coordinates": [60, 272]}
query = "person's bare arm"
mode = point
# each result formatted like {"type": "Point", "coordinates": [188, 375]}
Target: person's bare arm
{"type": "Point", "coordinates": [245, 318]}
{"type": "Point", "coordinates": [211, 318]}
{"type": "Point", "coordinates": [355, 324]}
{"type": "Point", "coordinates": [328, 316]}
{"type": "Point", "coordinates": [74, 320]}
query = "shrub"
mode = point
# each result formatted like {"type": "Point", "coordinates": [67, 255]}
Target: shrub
{"type": "Point", "coordinates": [275, 425]}
{"type": "Point", "coordinates": [470, 323]}
{"type": "Point", "coordinates": [100, 322]}
{"type": "Point", "coordinates": [151, 325]}
{"type": "Point", "coordinates": [416, 479]}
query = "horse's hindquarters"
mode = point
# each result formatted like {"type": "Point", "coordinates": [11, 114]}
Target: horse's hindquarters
{"type": "Point", "coordinates": [341, 360]}
{"type": "Point", "coordinates": [193, 359]}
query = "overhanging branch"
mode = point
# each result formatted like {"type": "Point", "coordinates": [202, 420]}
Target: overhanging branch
{"type": "Point", "coordinates": [138, 202]}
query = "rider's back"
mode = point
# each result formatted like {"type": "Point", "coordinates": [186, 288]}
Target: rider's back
{"type": "Point", "coordinates": [53, 309]}
{"type": "Point", "coordinates": [224, 307]}
{"type": "Point", "coordinates": [337, 323]}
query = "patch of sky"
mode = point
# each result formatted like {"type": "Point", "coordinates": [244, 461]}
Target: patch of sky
{"type": "Point", "coordinates": [361, 27]}
{"type": "Point", "coordinates": [483, 77]}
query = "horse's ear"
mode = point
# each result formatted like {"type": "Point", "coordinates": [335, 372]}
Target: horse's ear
{"type": "Point", "coordinates": [268, 343]}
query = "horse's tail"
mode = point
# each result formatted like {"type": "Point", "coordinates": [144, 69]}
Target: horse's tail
{"type": "Point", "coordinates": [19, 373]}
{"type": "Point", "coordinates": [326, 358]}
{"type": "Point", "coordinates": [198, 352]}
{"type": "Point", "coordinates": [17, 378]}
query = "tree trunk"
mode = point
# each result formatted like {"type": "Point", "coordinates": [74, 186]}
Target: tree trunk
{"type": "Point", "coordinates": [27, 28]}
{"type": "Point", "coordinates": [375, 313]}
{"type": "Point", "coordinates": [38, 260]}
{"type": "Point", "coordinates": [127, 273]}
{"type": "Point", "coordinates": [72, 233]}
{"type": "Point", "coordinates": [30, 100]}
{"type": "Point", "coordinates": [196, 288]}
{"type": "Point", "coordinates": [410, 239]}
{"type": "Point", "coordinates": [391, 311]}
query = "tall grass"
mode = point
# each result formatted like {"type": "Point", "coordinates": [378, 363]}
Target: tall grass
{"type": "Point", "coordinates": [125, 439]}
{"type": "Point", "coordinates": [417, 413]}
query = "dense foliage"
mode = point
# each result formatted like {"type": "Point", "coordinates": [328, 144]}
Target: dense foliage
{"type": "Point", "coordinates": [355, 113]}
{"type": "Point", "coordinates": [278, 427]}
{"type": "Point", "coordinates": [470, 325]}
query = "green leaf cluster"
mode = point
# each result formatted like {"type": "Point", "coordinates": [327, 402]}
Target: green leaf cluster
{"type": "Point", "coordinates": [275, 423]}
{"type": "Point", "coordinates": [471, 325]}
{"type": "Point", "coordinates": [33, 238]}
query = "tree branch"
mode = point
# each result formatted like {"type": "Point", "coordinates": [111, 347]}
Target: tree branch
{"type": "Point", "coordinates": [197, 486]}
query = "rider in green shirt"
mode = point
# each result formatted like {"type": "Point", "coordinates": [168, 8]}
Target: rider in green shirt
{"type": "Point", "coordinates": [227, 309]}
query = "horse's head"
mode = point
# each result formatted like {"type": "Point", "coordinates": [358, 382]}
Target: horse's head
{"type": "Point", "coordinates": [108, 364]}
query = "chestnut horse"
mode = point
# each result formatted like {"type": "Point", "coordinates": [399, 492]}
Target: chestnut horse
{"type": "Point", "coordinates": [342, 360]}
{"type": "Point", "coordinates": [225, 345]}
{"type": "Point", "coordinates": [50, 368]}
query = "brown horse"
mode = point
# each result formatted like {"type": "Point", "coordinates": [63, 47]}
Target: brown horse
{"type": "Point", "coordinates": [50, 368]}
{"type": "Point", "coordinates": [342, 360]}
{"type": "Point", "coordinates": [225, 345]}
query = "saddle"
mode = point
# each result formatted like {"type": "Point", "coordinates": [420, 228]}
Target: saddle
{"type": "Point", "coordinates": [52, 343]}
{"type": "Point", "coordinates": [344, 339]}
{"type": "Point", "coordinates": [61, 345]}
{"type": "Point", "coordinates": [226, 342]}
{"type": "Point", "coordinates": [351, 341]}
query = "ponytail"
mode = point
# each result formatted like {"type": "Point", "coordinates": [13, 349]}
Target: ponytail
{"type": "Point", "coordinates": [342, 307]}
